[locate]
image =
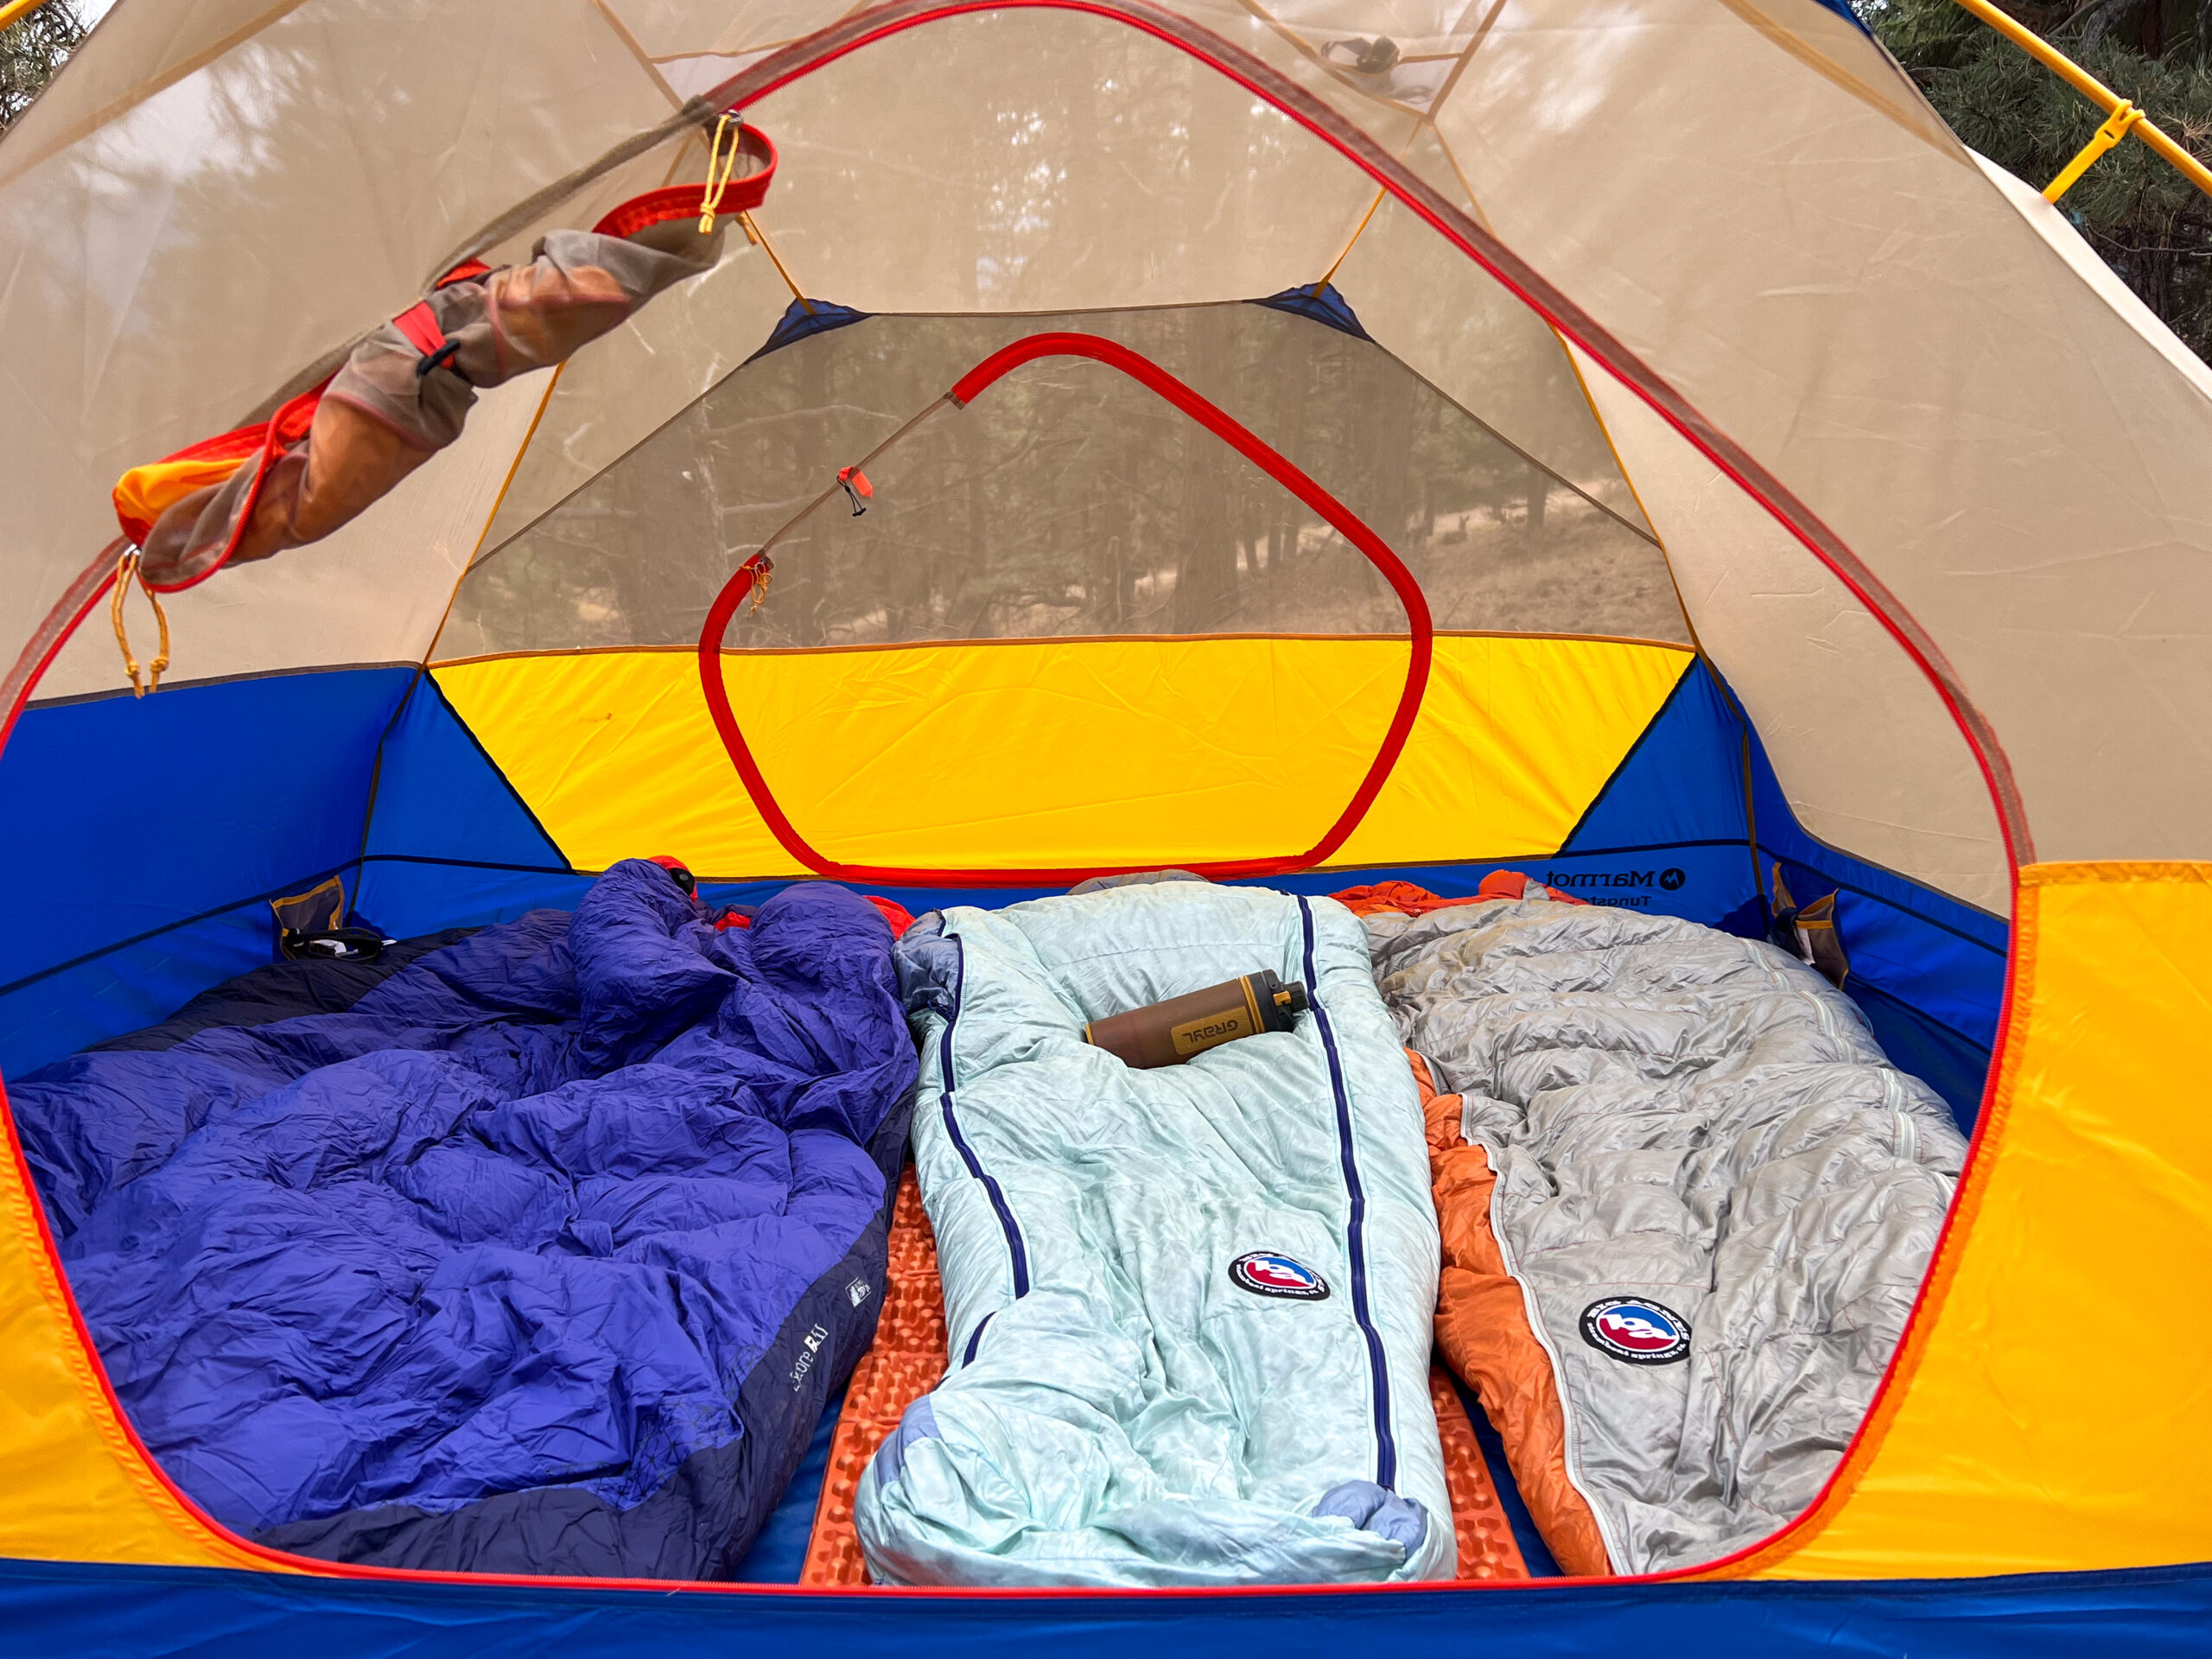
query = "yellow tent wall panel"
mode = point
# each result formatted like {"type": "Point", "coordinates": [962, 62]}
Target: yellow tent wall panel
{"type": "Point", "coordinates": [2048, 1414]}
{"type": "Point", "coordinates": [1034, 753]}
{"type": "Point", "coordinates": [78, 1487]}
{"type": "Point", "coordinates": [1516, 737]}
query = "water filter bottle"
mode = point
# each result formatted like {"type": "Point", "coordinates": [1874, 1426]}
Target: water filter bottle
{"type": "Point", "coordinates": [1168, 1033]}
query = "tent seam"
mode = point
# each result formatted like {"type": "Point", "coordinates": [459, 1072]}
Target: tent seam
{"type": "Point", "coordinates": [1466, 57]}
{"type": "Point", "coordinates": [2067, 872]}
{"type": "Point", "coordinates": [1743, 727]}
{"type": "Point", "coordinates": [1673, 691]}
{"type": "Point", "coordinates": [1836, 75]}
{"type": "Point", "coordinates": [491, 517]}
{"type": "Point", "coordinates": [498, 772]}
{"type": "Point", "coordinates": [1045, 639]}
{"type": "Point", "coordinates": [294, 884]}
{"type": "Point", "coordinates": [1299, 43]}
{"type": "Point", "coordinates": [422, 668]}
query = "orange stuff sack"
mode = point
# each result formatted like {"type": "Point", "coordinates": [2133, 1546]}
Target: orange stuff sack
{"type": "Point", "coordinates": [1483, 1330]}
{"type": "Point", "coordinates": [405, 389]}
{"type": "Point", "coordinates": [1405, 897]}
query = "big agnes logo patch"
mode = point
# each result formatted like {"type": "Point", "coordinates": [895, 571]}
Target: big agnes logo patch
{"type": "Point", "coordinates": [1270, 1273]}
{"type": "Point", "coordinates": [1637, 1331]}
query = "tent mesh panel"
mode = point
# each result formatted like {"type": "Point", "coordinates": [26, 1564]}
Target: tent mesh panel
{"type": "Point", "coordinates": [1067, 500]}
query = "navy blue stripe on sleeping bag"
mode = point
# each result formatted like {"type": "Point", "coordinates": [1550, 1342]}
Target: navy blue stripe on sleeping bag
{"type": "Point", "coordinates": [1386, 1460]}
{"type": "Point", "coordinates": [975, 1339]}
{"type": "Point", "coordinates": [1014, 1245]}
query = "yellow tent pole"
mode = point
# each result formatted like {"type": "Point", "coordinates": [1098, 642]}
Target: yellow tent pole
{"type": "Point", "coordinates": [15, 9]}
{"type": "Point", "coordinates": [2125, 117]}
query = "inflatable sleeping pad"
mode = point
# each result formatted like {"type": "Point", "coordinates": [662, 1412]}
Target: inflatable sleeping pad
{"type": "Point", "coordinates": [1188, 1308]}
{"type": "Point", "coordinates": [537, 1250]}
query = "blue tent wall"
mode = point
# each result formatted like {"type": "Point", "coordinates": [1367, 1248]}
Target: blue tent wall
{"type": "Point", "coordinates": [141, 840]}
{"type": "Point", "coordinates": [1928, 969]}
{"type": "Point", "coordinates": [450, 844]}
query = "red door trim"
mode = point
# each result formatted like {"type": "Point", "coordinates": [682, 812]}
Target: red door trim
{"type": "Point", "coordinates": [1272, 461]}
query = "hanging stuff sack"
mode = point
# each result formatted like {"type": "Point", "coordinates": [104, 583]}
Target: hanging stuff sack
{"type": "Point", "coordinates": [404, 391]}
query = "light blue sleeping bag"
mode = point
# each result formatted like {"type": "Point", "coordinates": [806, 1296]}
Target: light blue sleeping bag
{"type": "Point", "coordinates": [1189, 1308]}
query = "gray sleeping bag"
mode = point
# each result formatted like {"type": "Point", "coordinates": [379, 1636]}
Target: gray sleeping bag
{"type": "Point", "coordinates": [1718, 1197]}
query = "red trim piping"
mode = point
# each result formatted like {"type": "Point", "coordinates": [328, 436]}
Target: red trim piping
{"type": "Point", "coordinates": [220, 1537]}
{"type": "Point", "coordinates": [825, 46]}
{"type": "Point", "coordinates": [1255, 449]}
{"type": "Point", "coordinates": [38, 654]}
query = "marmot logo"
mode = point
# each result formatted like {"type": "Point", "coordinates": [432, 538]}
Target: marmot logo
{"type": "Point", "coordinates": [1568, 880]}
{"type": "Point", "coordinates": [1579, 882]}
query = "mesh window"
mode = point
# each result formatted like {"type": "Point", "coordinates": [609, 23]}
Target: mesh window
{"type": "Point", "coordinates": [1067, 500]}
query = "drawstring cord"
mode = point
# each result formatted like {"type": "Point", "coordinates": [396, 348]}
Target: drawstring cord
{"type": "Point", "coordinates": [720, 169]}
{"type": "Point", "coordinates": [764, 571]}
{"type": "Point", "coordinates": [126, 569]}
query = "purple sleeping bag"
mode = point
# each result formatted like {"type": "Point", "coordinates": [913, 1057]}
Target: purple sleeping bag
{"type": "Point", "coordinates": [542, 1257]}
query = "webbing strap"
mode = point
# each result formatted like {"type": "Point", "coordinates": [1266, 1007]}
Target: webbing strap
{"type": "Point", "coordinates": [420, 328]}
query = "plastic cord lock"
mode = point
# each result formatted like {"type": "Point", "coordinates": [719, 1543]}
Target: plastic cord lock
{"type": "Point", "coordinates": [858, 490]}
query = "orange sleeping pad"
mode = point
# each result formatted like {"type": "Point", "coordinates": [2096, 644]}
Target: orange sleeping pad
{"type": "Point", "coordinates": [907, 1360]}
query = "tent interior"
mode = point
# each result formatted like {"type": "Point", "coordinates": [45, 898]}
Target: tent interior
{"type": "Point", "coordinates": [1076, 629]}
